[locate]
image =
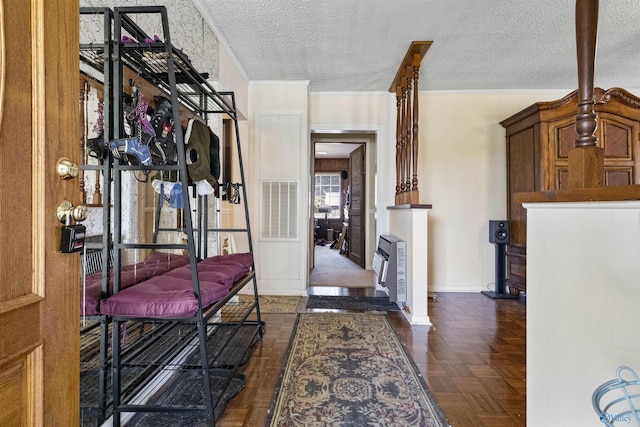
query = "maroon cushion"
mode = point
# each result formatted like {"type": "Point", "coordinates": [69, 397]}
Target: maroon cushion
{"type": "Point", "coordinates": [162, 297]}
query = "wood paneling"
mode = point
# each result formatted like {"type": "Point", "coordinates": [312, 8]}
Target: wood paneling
{"type": "Point", "coordinates": [13, 386]}
{"type": "Point", "coordinates": [331, 165]}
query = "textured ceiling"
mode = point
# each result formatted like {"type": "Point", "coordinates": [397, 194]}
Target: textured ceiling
{"type": "Point", "coordinates": [358, 45]}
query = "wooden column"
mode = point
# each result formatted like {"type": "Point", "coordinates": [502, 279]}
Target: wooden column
{"type": "Point", "coordinates": [405, 87]}
{"type": "Point", "coordinates": [586, 160]}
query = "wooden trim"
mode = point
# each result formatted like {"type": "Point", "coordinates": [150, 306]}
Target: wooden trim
{"type": "Point", "coordinates": [22, 301]}
{"type": "Point", "coordinates": [598, 194]}
{"type": "Point", "coordinates": [35, 366]}
{"type": "Point", "coordinates": [38, 162]}
{"type": "Point", "coordinates": [417, 47]}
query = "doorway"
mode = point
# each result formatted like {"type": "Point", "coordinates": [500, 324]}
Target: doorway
{"type": "Point", "coordinates": [339, 255]}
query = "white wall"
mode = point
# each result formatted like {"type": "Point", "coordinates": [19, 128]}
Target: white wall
{"type": "Point", "coordinates": [279, 146]}
{"type": "Point", "coordinates": [411, 225]}
{"type": "Point", "coordinates": [583, 267]}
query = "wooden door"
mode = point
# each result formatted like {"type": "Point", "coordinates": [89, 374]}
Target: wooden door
{"type": "Point", "coordinates": [357, 208]}
{"type": "Point", "coordinates": [39, 296]}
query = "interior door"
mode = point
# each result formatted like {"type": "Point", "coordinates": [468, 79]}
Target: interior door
{"type": "Point", "coordinates": [39, 296]}
{"type": "Point", "coordinates": [357, 207]}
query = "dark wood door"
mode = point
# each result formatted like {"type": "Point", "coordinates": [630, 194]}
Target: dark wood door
{"type": "Point", "coordinates": [39, 295]}
{"type": "Point", "coordinates": [357, 208]}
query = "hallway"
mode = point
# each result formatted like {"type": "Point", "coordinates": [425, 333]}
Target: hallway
{"type": "Point", "coordinates": [333, 269]}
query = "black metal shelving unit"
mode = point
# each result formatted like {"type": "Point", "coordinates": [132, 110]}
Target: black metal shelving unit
{"type": "Point", "coordinates": [182, 370]}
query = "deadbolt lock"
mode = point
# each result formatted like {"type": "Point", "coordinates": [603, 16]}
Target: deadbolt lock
{"type": "Point", "coordinates": [66, 169]}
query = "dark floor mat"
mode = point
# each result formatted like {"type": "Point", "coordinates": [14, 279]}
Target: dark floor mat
{"type": "Point", "coordinates": [352, 303]}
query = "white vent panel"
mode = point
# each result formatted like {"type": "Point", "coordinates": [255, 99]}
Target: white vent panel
{"type": "Point", "coordinates": [279, 210]}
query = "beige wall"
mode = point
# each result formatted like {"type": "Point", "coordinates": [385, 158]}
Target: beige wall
{"type": "Point", "coordinates": [462, 173]}
{"type": "Point", "coordinates": [462, 170]}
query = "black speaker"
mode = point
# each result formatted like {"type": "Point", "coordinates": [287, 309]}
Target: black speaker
{"type": "Point", "coordinates": [499, 231]}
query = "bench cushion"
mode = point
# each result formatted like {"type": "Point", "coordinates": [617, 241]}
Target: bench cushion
{"type": "Point", "coordinates": [162, 297]}
{"type": "Point", "coordinates": [155, 264]}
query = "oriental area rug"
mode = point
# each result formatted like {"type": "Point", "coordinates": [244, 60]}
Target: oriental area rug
{"type": "Point", "coordinates": [274, 303]}
{"type": "Point", "coordinates": [350, 369]}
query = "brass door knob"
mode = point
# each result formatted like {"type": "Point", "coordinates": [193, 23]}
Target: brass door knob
{"type": "Point", "coordinates": [66, 211]}
{"type": "Point", "coordinates": [66, 169]}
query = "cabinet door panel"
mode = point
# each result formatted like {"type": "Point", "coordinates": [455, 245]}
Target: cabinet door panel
{"type": "Point", "coordinates": [617, 140]}
{"type": "Point", "coordinates": [562, 178]}
{"type": "Point", "coordinates": [521, 178]}
{"type": "Point", "coordinates": [618, 176]}
{"type": "Point", "coordinates": [566, 137]}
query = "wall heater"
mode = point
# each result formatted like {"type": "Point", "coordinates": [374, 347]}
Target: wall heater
{"type": "Point", "coordinates": [390, 266]}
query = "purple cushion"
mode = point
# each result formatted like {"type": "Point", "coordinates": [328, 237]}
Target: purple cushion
{"type": "Point", "coordinates": [155, 264]}
{"type": "Point", "coordinates": [162, 297]}
{"type": "Point", "coordinates": [158, 263]}
{"type": "Point", "coordinates": [245, 259]}
{"type": "Point", "coordinates": [207, 276]}
{"type": "Point", "coordinates": [231, 269]}
{"type": "Point", "coordinates": [90, 296]}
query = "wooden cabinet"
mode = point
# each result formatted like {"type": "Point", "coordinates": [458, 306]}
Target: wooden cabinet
{"type": "Point", "coordinates": [539, 139]}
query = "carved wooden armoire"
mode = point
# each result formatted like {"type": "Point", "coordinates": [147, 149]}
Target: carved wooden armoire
{"type": "Point", "coordinates": [539, 139]}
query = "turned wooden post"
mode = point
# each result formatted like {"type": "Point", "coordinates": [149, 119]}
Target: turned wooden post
{"type": "Point", "coordinates": [398, 140]}
{"type": "Point", "coordinates": [409, 141]}
{"type": "Point", "coordinates": [415, 195]}
{"type": "Point", "coordinates": [403, 139]}
{"type": "Point", "coordinates": [586, 160]}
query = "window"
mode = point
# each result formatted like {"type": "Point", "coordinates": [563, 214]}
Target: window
{"type": "Point", "coordinates": [327, 195]}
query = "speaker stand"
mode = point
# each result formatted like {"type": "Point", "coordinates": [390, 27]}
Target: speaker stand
{"type": "Point", "coordinates": [501, 274]}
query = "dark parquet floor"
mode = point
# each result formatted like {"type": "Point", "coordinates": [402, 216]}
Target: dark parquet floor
{"type": "Point", "coordinates": [473, 359]}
